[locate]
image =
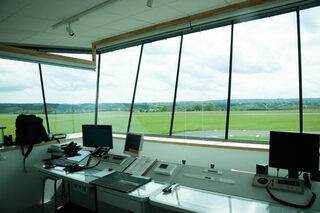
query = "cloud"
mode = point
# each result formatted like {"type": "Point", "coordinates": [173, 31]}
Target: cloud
{"type": "Point", "coordinates": [264, 66]}
{"type": "Point", "coordinates": [19, 82]}
{"type": "Point", "coordinates": [309, 19]}
{"type": "Point", "coordinates": [160, 48]}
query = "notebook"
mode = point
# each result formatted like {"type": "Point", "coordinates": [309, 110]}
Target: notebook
{"type": "Point", "coordinates": [121, 182]}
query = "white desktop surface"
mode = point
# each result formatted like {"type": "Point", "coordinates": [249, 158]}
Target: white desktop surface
{"type": "Point", "coordinates": [186, 199]}
{"type": "Point", "coordinates": [164, 178]}
{"type": "Point", "coordinates": [242, 187]}
{"type": "Point", "coordinates": [84, 176]}
{"type": "Point", "coordinates": [145, 190]}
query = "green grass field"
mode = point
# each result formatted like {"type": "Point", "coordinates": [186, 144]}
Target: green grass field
{"type": "Point", "coordinates": [159, 122]}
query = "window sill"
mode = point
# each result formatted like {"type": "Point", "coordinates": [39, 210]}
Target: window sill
{"type": "Point", "coordinates": [202, 143]}
{"type": "Point", "coordinates": [176, 141]}
{"type": "Point", "coordinates": [15, 147]}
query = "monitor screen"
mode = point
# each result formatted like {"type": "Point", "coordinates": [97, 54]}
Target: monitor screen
{"type": "Point", "coordinates": [133, 144]}
{"type": "Point", "coordinates": [294, 151]}
{"type": "Point", "coordinates": [97, 136]}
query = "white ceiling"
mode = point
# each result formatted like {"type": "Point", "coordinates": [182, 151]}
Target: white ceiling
{"type": "Point", "coordinates": [29, 22]}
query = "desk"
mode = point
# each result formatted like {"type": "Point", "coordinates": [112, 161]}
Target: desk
{"type": "Point", "coordinates": [186, 199]}
{"type": "Point", "coordinates": [192, 196]}
{"type": "Point", "coordinates": [96, 198]}
{"type": "Point", "coordinates": [242, 186]}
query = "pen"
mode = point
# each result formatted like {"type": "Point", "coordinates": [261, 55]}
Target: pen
{"type": "Point", "coordinates": [170, 188]}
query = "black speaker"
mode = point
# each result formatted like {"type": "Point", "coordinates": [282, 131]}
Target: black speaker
{"type": "Point", "coordinates": [7, 140]}
{"type": "Point", "coordinates": [262, 169]}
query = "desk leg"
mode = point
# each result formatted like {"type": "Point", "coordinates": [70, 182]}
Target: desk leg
{"type": "Point", "coordinates": [69, 193]}
{"type": "Point", "coordinates": [55, 195]}
{"type": "Point", "coordinates": [43, 185]}
{"type": "Point", "coordinates": [95, 199]}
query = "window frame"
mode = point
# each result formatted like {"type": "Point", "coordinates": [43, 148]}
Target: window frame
{"type": "Point", "coordinates": [228, 21]}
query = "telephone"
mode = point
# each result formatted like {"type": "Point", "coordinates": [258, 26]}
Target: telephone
{"type": "Point", "coordinates": [141, 166]}
{"type": "Point", "coordinates": [71, 149]}
{"type": "Point", "coordinates": [165, 169]}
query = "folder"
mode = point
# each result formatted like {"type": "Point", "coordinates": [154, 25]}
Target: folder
{"type": "Point", "coordinates": [121, 181]}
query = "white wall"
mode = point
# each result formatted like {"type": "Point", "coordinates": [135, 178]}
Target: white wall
{"type": "Point", "coordinates": [20, 190]}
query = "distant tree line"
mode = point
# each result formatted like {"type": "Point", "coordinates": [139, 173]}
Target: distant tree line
{"type": "Point", "coordinates": [220, 105]}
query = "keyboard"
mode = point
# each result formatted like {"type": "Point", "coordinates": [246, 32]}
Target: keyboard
{"type": "Point", "coordinates": [60, 162]}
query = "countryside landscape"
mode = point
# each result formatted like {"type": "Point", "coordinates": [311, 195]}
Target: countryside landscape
{"type": "Point", "coordinates": [191, 118]}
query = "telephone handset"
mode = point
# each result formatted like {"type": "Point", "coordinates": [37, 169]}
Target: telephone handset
{"type": "Point", "coordinates": [71, 150]}
{"type": "Point", "coordinates": [100, 151]}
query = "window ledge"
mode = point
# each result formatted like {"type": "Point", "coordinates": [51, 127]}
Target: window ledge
{"type": "Point", "coordinates": [15, 147]}
{"type": "Point", "coordinates": [203, 143]}
{"type": "Point", "coordinates": [176, 141]}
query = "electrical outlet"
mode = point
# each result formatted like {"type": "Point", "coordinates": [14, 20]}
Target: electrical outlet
{"type": "Point", "coordinates": [80, 188]}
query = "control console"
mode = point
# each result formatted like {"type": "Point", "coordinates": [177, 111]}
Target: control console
{"type": "Point", "coordinates": [280, 183]}
{"type": "Point", "coordinates": [110, 158]}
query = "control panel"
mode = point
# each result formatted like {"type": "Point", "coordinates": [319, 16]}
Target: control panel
{"type": "Point", "coordinates": [279, 183]}
{"type": "Point", "coordinates": [165, 169]}
{"type": "Point", "coordinates": [209, 178]}
{"type": "Point", "coordinates": [110, 158]}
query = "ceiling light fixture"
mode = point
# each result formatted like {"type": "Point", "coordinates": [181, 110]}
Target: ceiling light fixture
{"type": "Point", "coordinates": [150, 3]}
{"type": "Point", "coordinates": [69, 30]}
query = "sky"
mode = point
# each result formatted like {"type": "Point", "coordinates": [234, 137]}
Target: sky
{"type": "Point", "coordinates": [264, 66]}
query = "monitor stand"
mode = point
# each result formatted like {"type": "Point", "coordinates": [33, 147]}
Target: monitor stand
{"type": "Point", "coordinates": [292, 173]}
{"type": "Point", "coordinates": [100, 151]}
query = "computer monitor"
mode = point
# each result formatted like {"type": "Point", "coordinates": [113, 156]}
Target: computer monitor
{"type": "Point", "coordinates": [133, 144]}
{"type": "Point", "coordinates": [98, 136]}
{"type": "Point", "coordinates": [296, 152]}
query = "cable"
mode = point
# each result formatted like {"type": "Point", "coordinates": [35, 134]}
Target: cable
{"type": "Point", "coordinates": [313, 198]}
{"type": "Point", "coordinates": [88, 161]}
{"type": "Point", "coordinates": [76, 167]}
{"type": "Point", "coordinates": [90, 167]}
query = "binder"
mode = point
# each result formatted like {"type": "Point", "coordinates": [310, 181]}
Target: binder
{"type": "Point", "coordinates": [121, 182]}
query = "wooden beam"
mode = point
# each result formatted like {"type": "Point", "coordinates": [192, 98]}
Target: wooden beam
{"type": "Point", "coordinates": [94, 54]}
{"type": "Point", "coordinates": [186, 19]}
{"type": "Point", "coordinates": [44, 55]}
